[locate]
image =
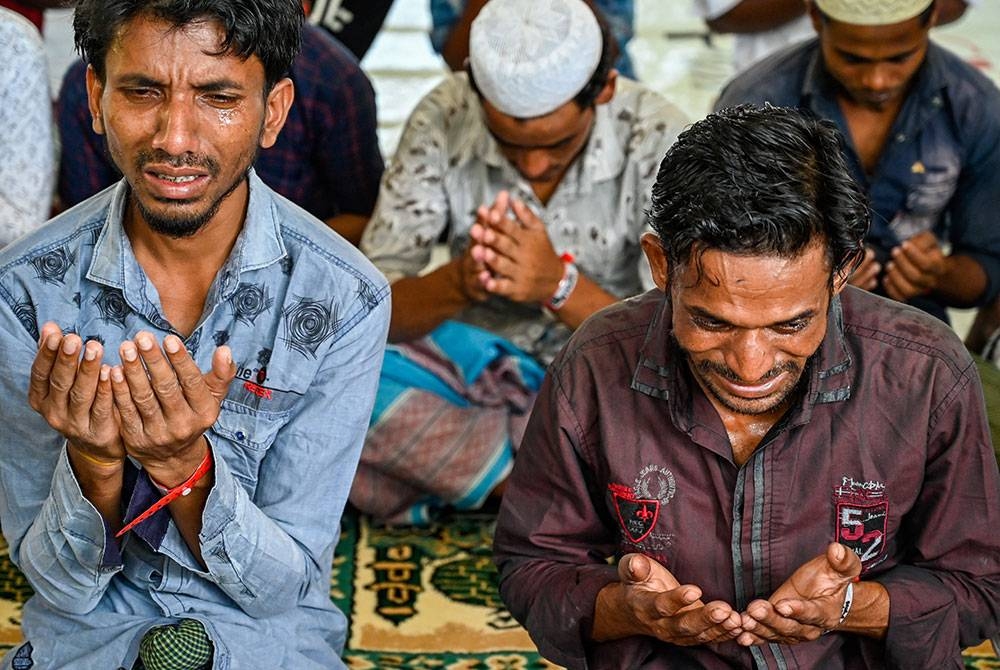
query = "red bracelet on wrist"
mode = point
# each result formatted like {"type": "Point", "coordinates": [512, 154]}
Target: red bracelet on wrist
{"type": "Point", "coordinates": [182, 489]}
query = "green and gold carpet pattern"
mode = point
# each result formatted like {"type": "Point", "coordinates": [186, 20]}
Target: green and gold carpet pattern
{"type": "Point", "coordinates": [416, 599]}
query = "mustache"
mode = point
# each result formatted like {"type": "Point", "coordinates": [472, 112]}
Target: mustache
{"type": "Point", "coordinates": [161, 157]}
{"type": "Point", "coordinates": [726, 372]}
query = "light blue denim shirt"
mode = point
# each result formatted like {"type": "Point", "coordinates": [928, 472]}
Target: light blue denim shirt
{"type": "Point", "coordinates": [306, 316]}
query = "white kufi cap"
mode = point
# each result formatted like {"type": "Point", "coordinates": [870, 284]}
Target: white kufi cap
{"type": "Point", "coordinates": [872, 12]}
{"type": "Point", "coordinates": [529, 57]}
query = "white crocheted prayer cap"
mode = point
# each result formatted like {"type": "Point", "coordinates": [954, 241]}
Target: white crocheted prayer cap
{"type": "Point", "coordinates": [529, 57]}
{"type": "Point", "coordinates": [872, 12]}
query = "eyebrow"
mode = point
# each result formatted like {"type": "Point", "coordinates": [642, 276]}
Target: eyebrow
{"type": "Point", "coordinates": [145, 81]}
{"type": "Point", "coordinates": [705, 314]}
{"type": "Point", "coordinates": [902, 55]}
{"type": "Point", "coordinates": [551, 145]}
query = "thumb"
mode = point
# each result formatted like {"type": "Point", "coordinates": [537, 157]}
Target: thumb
{"type": "Point", "coordinates": [843, 561]}
{"type": "Point", "coordinates": [634, 569]}
{"type": "Point", "coordinates": [222, 373]}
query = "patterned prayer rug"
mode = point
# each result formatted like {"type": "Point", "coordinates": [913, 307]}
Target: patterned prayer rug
{"type": "Point", "coordinates": [417, 599]}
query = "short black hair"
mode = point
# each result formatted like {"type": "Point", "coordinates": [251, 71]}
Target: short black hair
{"type": "Point", "coordinates": [925, 16]}
{"type": "Point", "coordinates": [268, 29]}
{"type": "Point", "coordinates": [758, 181]}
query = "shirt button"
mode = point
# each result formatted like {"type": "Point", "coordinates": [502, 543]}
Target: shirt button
{"type": "Point", "coordinates": [240, 435]}
{"type": "Point", "coordinates": [901, 137]}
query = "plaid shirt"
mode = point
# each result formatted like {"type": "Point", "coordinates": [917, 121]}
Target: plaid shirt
{"type": "Point", "coordinates": [326, 159]}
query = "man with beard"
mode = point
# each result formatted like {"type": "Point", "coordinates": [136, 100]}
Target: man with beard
{"type": "Point", "coordinates": [167, 517]}
{"type": "Point", "coordinates": [768, 453]}
{"type": "Point", "coordinates": [922, 137]}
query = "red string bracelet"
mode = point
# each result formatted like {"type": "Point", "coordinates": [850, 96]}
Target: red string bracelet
{"type": "Point", "coordinates": [182, 489]}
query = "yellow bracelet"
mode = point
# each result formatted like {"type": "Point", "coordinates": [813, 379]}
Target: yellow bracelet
{"type": "Point", "coordinates": [95, 461]}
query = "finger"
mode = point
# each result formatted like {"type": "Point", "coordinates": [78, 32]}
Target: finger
{"type": "Point", "coordinates": [704, 625]}
{"type": "Point", "coordinates": [478, 254]}
{"type": "Point", "coordinates": [502, 286]}
{"type": "Point", "coordinates": [771, 625]}
{"type": "Point", "coordinates": [195, 391]}
{"type": "Point", "coordinates": [162, 378]}
{"type": "Point", "coordinates": [140, 390]}
{"type": "Point", "coordinates": [102, 409]}
{"type": "Point", "coordinates": [803, 612]}
{"type": "Point", "coordinates": [38, 381]}
{"type": "Point", "coordinates": [222, 374]}
{"type": "Point", "coordinates": [498, 211]}
{"type": "Point", "coordinates": [501, 267]}
{"type": "Point", "coordinates": [866, 274]}
{"type": "Point", "coordinates": [128, 415]}
{"type": "Point", "coordinates": [502, 244]}
{"type": "Point", "coordinates": [81, 395]}
{"type": "Point", "coordinates": [897, 286]}
{"type": "Point", "coordinates": [478, 230]}
{"type": "Point", "coordinates": [911, 267]}
{"type": "Point", "coordinates": [748, 639]}
{"type": "Point", "coordinates": [63, 372]}
{"type": "Point", "coordinates": [674, 601]}
{"type": "Point", "coordinates": [923, 243]}
{"type": "Point", "coordinates": [525, 215]}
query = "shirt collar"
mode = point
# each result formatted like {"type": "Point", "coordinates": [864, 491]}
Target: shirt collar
{"type": "Point", "coordinates": [259, 243]}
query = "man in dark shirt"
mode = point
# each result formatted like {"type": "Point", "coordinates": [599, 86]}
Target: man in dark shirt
{"type": "Point", "coordinates": [326, 160]}
{"type": "Point", "coordinates": [922, 137]}
{"type": "Point", "coordinates": [769, 453]}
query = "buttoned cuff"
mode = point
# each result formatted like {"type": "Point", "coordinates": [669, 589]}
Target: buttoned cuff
{"type": "Point", "coordinates": [923, 620]}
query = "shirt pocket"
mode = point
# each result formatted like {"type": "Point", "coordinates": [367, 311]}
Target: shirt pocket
{"type": "Point", "coordinates": [930, 190]}
{"type": "Point", "coordinates": [249, 433]}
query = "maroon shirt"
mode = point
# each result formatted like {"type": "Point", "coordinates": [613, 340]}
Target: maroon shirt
{"type": "Point", "coordinates": [888, 452]}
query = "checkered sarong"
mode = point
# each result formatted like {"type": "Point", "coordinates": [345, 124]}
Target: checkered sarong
{"type": "Point", "coordinates": [181, 646]}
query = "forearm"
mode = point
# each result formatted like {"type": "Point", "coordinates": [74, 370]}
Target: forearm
{"type": "Point", "coordinates": [421, 304]}
{"type": "Point", "coordinates": [101, 484]}
{"type": "Point", "coordinates": [752, 16]}
{"type": "Point", "coordinates": [456, 48]}
{"type": "Point", "coordinates": [963, 283]}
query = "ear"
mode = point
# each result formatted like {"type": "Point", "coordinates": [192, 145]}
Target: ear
{"type": "Point", "coordinates": [841, 277]}
{"type": "Point", "coordinates": [815, 17]}
{"type": "Point", "coordinates": [278, 102]}
{"type": "Point", "coordinates": [656, 258]}
{"type": "Point", "coordinates": [608, 91]}
{"type": "Point", "coordinates": [95, 89]}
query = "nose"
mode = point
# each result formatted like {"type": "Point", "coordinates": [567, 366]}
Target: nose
{"type": "Point", "coordinates": [877, 77]}
{"type": "Point", "coordinates": [750, 356]}
{"type": "Point", "coordinates": [533, 163]}
{"type": "Point", "coordinates": [176, 131]}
